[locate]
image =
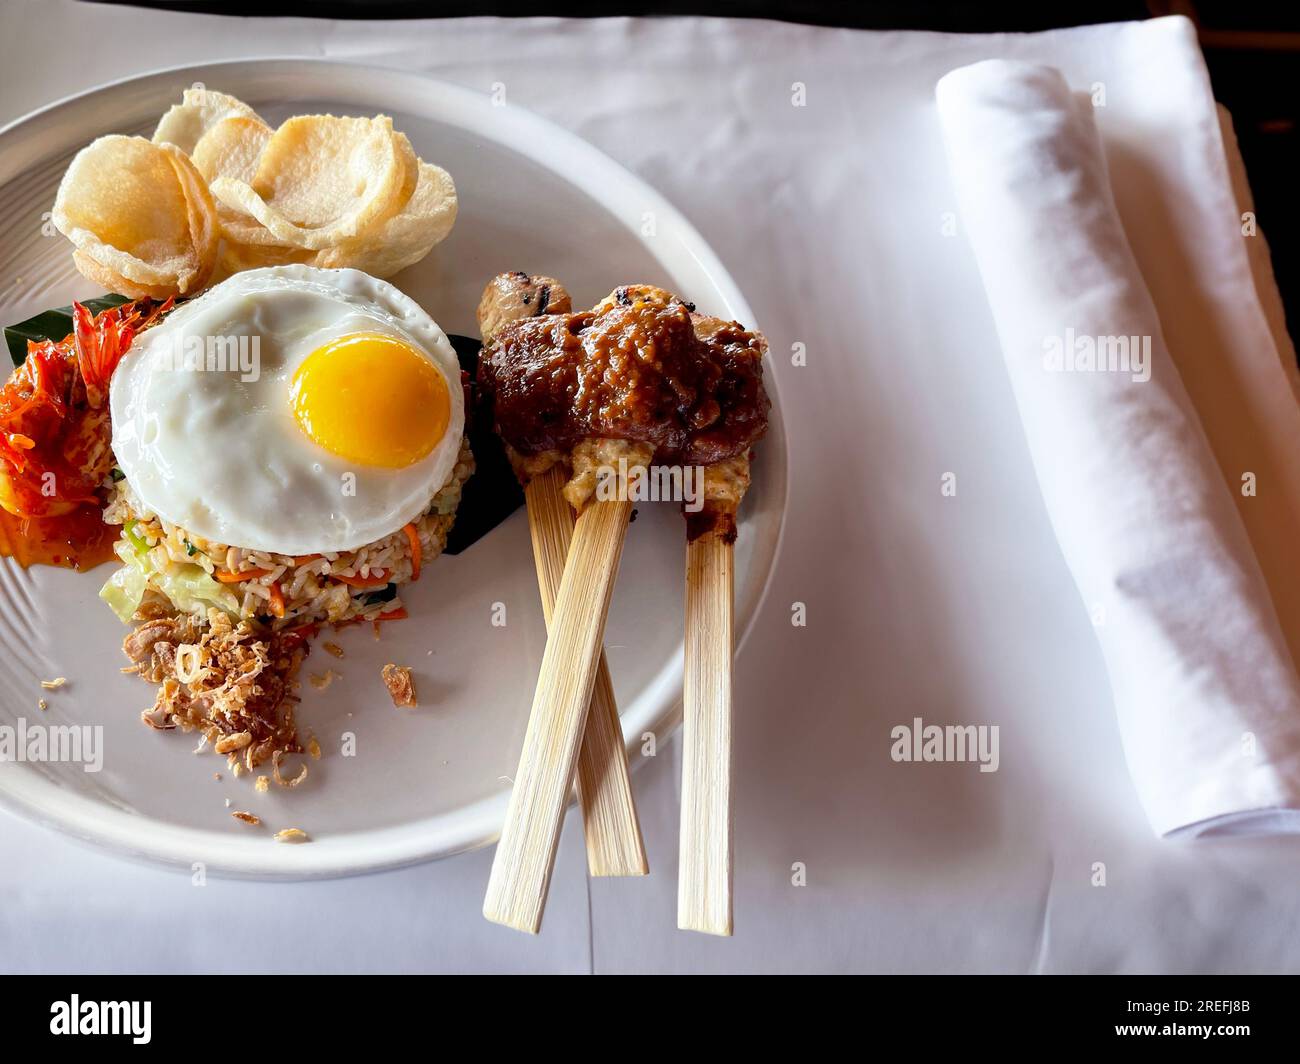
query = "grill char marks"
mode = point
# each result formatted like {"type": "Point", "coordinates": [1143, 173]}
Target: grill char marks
{"type": "Point", "coordinates": [511, 296]}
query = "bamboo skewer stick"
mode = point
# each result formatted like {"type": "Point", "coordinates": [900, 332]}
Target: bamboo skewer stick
{"type": "Point", "coordinates": [705, 869]}
{"type": "Point", "coordinates": [521, 869]}
{"type": "Point", "coordinates": [611, 828]}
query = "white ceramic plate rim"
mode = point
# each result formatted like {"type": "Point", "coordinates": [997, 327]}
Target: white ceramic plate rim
{"type": "Point", "coordinates": [43, 133]}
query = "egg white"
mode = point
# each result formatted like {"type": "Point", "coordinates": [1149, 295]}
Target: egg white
{"type": "Point", "coordinates": [226, 459]}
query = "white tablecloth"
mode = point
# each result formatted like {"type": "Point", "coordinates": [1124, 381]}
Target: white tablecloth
{"type": "Point", "coordinates": [955, 609]}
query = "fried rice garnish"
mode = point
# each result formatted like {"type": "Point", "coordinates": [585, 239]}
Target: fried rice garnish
{"type": "Point", "coordinates": [232, 684]}
{"type": "Point", "coordinates": [286, 781]}
{"type": "Point", "coordinates": [321, 681]}
{"type": "Point", "coordinates": [401, 688]}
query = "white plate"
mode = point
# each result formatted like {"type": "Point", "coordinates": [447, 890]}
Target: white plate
{"type": "Point", "coordinates": [426, 783]}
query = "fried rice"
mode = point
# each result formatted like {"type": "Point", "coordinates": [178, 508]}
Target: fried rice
{"type": "Point", "coordinates": [278, 591]}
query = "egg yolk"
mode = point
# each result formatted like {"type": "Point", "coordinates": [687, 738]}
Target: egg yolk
{"type": "Point", "coordinates": [371, 399]}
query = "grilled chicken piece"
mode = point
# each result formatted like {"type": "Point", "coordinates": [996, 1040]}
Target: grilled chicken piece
{"type": "Point", "coordinates": [511, 296]}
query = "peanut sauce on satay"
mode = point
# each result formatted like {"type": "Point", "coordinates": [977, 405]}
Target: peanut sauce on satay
{"type": "Point", "coordinates": [640, 366]}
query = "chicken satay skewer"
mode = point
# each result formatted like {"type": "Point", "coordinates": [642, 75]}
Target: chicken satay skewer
{"type": "Point", "coordinates": [640, 376]}
{"type": "Point", "coordinates": [610, 825]}
{"type": "Point", "coordinates": [704, 882]}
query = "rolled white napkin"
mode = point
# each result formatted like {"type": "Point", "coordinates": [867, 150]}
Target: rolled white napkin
{"type": "Point", "coordinates": [1205, 689]}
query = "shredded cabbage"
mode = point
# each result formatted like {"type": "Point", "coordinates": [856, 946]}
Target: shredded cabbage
{"type": "Point", "coordinates": [124, 590]}
{"type": "Point", "coordinates": [189, 587]}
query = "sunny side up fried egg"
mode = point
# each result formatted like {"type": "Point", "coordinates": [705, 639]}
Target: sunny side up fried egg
{"type": "Point", "coordinates": [340, 431]}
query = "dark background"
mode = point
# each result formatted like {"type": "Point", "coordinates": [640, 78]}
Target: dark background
{"type": "Point", "coordinates": [1252, 49]}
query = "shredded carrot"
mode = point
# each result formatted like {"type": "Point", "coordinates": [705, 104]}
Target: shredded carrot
{"type": "Point", "coordinates": [277, 600]}
{"type": "Point", "coordinates": [228, 577]}
{"type": "Point", "coordinates": [303, 559]}
{"type": "Point", "coordinates": [392, 615]}
{"type": "Point", "coordinates": [413, 538]}
{"type": "Point", "coordinates": [377, 578]}
{"type": "Point", "coordinates": [300, 634]}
